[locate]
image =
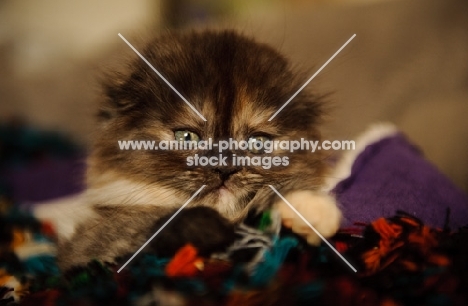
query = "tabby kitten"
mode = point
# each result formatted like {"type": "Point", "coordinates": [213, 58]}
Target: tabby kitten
{"type": "Point", "coordinates": [237, 84]}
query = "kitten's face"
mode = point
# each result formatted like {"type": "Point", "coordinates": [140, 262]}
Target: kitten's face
{"type": "Point", "coordinates": [237, 85]}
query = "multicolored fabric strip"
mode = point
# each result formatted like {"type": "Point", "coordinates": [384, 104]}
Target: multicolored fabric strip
{"type": "Point", "coordinates": [400, 261]}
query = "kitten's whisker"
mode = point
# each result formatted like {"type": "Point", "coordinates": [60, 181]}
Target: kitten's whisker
{"type": "Point", "coordinates": [112, 215]}
{"type": "Point", "coordinates": [135, 197]}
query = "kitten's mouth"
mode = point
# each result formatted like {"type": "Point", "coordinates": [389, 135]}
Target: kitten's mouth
{"type": "Point", "coordinates": [223, 188]}
{"type": "Point", "coordinates": [229, 197]}
{"type": "Point", "coordinates": [224, 191]}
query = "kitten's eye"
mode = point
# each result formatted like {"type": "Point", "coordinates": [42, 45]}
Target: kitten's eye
{"type": "Point", "coordinates": [257, 144]}
{"type": "Point", "coordinates": [184, 135]}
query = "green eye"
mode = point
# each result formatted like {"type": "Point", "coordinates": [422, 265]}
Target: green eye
{"type": "Point", "coordinates": [184, 135]}
{"type": "Point", "coordinates": [257, 144]}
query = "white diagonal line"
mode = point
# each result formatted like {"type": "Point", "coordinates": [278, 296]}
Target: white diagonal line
{"type": "Point", "coordinates": [162, 227]}
{"type": "Point", "coordinates": [313, 228]}
{"type": "Point", "coordinates": [162, 77]}
{"type": "Point", "coordinates": [312, 77]}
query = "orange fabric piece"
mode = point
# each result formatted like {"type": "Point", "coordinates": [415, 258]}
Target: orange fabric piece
{"type": "Point", "coordinates": [185, 263]}
{"type": "Point", "coordinates": [18, 238]}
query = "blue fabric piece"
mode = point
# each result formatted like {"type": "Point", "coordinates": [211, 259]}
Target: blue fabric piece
{"type": "Point", "coordinates": [265, 271]}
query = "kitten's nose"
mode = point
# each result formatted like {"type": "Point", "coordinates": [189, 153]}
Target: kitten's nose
{"type": "Point", "coordinates": [225, 172]}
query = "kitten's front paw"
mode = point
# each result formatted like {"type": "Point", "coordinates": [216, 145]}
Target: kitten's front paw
{"type": "Point", "coordinates": [203, 227]}
{"type": "Point", "coordinates": [319, 209]}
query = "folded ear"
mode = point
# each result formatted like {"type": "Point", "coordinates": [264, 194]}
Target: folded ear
{"type": "Point", "coordinates": [115, 99]}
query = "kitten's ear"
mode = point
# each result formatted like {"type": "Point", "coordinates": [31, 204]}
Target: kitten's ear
{"type": "Point", "coordinates": [114, 100]}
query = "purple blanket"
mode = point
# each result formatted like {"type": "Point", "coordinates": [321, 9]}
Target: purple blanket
{"type": "Point", "coordinates": [391, 174]}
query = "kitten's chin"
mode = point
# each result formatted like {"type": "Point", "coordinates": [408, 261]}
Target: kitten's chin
{"type": "Point", "coordinates": [226, 200]}
{"type": "Point", "coordinates": [224, 192]}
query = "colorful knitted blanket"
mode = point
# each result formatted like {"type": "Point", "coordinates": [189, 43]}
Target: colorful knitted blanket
{"type": "Point", "coordinates": [399, 261]}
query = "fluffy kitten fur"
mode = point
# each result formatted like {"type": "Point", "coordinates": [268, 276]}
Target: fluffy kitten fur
{"type": "Point", "coordinates": [237, 84]}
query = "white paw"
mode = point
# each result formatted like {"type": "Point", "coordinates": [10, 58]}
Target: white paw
{"type": "Point", "coordinates": [319, 209]}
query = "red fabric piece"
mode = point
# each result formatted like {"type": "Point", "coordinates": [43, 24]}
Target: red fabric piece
{"type": "Point", "coordinates": [184, 263]}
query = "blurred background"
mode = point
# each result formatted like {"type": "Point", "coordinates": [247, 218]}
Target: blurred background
{"type": "Point", "coordinates": [407, 65]}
